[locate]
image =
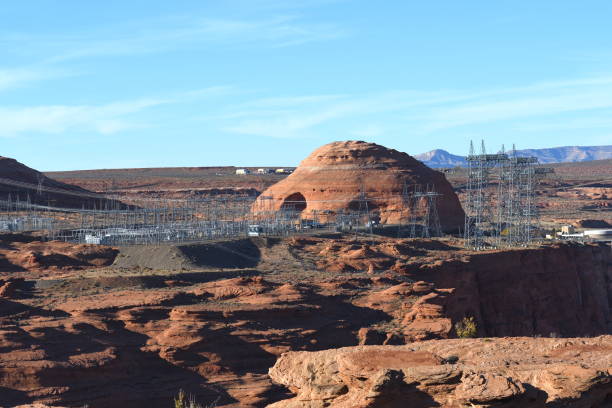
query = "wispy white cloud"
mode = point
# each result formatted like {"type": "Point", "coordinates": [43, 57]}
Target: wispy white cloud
{"type": "Point", "coordinates": [101, 119]}
{"type": "Point", "coordinates": [176, 33]}
{"type": "Point", "coordinates": [259, 5]}
{"type": "Point", "coordinates": [16, 77]}
{"type": "Point", "coordinates": [57, 119]}
{"type": "Point", "coordinates": [290, 101]}
{"type": "Point", "coordinates": [52, 52]}
{"type": "Point", "coordinates": [601, 121]}
{"type": "Point", "coordinates": [292, 117]}
{"type": "Point", "coordinates": [421, 112]}
{"type": "Point", "coordinates": [535, 101]}
{"type": "Point", "coordinates": [289, 117]}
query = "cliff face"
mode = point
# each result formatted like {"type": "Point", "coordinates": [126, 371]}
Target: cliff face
{"type": "Point", "coordinates": [332, 179]}
{"type": "Point", "coordinates": [561, 290]}
{"type": "Point", "coordinates": [509, 372]}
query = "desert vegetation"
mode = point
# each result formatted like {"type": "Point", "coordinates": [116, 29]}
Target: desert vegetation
{"type": "Point", "coordinates": [466, 328]}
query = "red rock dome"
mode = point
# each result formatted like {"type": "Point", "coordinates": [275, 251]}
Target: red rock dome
{"type": "Point", "coordinates": [332, 177]}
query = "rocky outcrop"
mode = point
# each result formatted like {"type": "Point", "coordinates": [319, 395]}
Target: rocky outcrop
{"type": "Point", "coordinates": [20, 253]}
{"type": "Point", "coordinates": [10, 287]}
{"type": "Point", "coordinates": [22, 183]}
{"type": "Point", "coordinates": [36, 406]}
{"type": "Point", "coordinates": [332, 178]}
{"type": "Point", "coordinates": [505, 372]}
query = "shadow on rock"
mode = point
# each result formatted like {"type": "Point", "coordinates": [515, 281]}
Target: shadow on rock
{"type": "Point", "coordinates": [242, 253]}
{"type": "Point", "coordinates": [95, 362]}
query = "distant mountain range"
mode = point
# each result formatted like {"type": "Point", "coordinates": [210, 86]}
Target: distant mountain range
{"type": "Point", "coordinates": [442, 158]}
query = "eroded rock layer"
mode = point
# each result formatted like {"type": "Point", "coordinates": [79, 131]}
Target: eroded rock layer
{"type": "Point", "coordinates": [114, 336]}
{"type": "Point", "coordinates": [332, 178]}
{"type": "Point", "coordinates": [503, 372]}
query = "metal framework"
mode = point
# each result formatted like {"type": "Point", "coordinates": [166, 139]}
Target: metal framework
{"type": "Point", "coordinates": [500, 206]}
{"type": "Point", "coordinates": [422, 206]}
{"type": "Point", "coordinates": [161, 221]}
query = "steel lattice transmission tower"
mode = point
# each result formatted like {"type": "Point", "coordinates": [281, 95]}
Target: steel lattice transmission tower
{"type": "Point", "coordinates": [423, 211]}
{"type": "Point", "coordinates": [480, 214]}
{"type": "Point", "coordinates": [504, 214]}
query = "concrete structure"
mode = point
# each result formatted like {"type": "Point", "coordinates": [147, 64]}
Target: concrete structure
{"type": "Point", "coordinates": [567, 229]}
{"type": "Point", "coordinates": [599, 234]}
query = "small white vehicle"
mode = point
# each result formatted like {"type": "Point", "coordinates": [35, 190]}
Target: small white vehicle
{"type": "Point", "coordinates": [255, 230]}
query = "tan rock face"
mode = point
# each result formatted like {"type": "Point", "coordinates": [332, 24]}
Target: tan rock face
{"type": "Point", "coordinates": [332, 177]}
{"type": "Point", "coordinates": [506, 372]}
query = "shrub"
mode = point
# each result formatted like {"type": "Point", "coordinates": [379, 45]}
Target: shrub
{"type": "Point", "coordinates": [184, 401]}
{"type": "Point", "coordinates": [466, 328]}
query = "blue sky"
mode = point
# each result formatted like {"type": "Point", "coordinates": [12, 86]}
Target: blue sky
{"type": "Point", "coordinates": [137, 83]}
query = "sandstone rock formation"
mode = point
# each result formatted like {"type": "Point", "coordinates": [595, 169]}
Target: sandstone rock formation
{"type": "Point", "coordinates": [21, 182]}
{"type": "Point", "coordinates": [561, 289]}
{"type": "Point", "coordinates": [81, 334]}
{"type": "Point", "coordinates": [505, 372]}
{"type": "Point", "coordinates": [332, 177]}
{"type": "Point", "coordinates": [36, 406]}
{"type": "Point", "coordinates": [20, 253]}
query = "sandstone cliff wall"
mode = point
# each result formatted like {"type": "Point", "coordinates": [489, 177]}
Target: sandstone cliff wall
{"type": "Point", "coordinates": [563, 290]}
{"type": "Point", "coordinates": [560, 290]}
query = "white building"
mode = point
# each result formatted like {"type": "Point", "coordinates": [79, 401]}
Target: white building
{"type": "Point", "coordinates": [568, 229]}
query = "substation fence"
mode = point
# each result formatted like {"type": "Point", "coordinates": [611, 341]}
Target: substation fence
{"type": "Point", "coordinates": [20, 216]}
{"type": "Point", "coordinates": [500, 207]}
{"type": "Point", "coordinates": [500, 202]}
{"type": "Point", "coordinates": [414, 211]}
{"type": "Point", "coordinates": [422, 203]}
{"type": "Point", "coordinates": [25, 223]}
